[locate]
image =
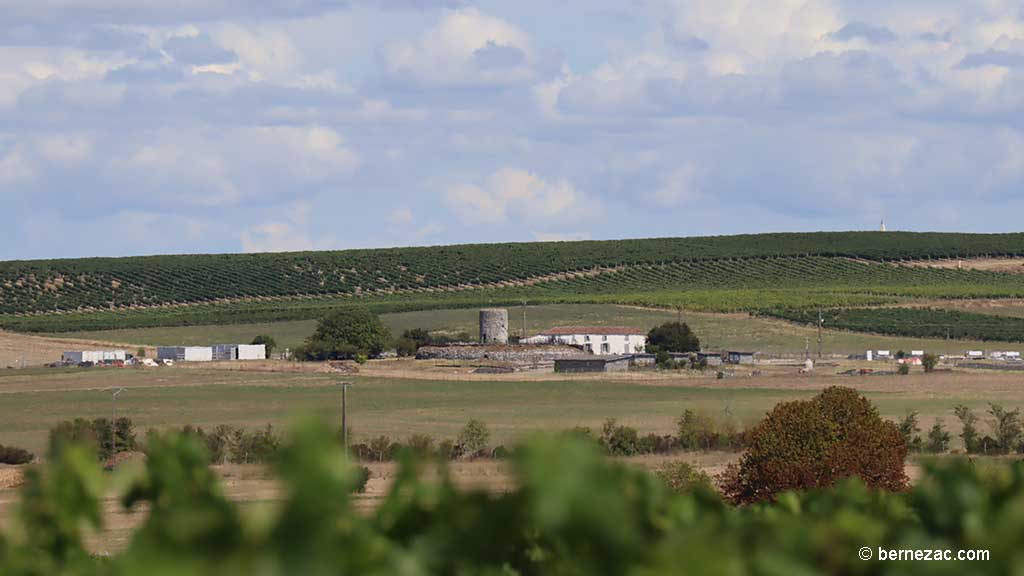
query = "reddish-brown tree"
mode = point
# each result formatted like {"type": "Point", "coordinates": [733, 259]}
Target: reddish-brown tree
{"type": "Point", "coordinates": [813, 443]}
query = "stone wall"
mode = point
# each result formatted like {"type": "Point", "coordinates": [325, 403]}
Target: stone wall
{"type": "Point", "coordinates": [498, 353]}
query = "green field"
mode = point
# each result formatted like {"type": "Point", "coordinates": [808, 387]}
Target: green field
{"type": "Point", "coordinates": [33, 402]}
{"type": "Point", "coordinates": [716, 331]}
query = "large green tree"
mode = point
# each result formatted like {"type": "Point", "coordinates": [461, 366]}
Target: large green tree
{"type": "Point", "coordinates": [346, 334]}
{"type": "Point", "coordinates": [672, 337]}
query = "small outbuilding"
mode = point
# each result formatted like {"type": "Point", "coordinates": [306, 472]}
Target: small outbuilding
{"type": "Point", "coordinates": [710, 358]}
{"type": "Point", "coordinates": [735, 357]}
{"type": "Point", "coordinates": [593, 364]}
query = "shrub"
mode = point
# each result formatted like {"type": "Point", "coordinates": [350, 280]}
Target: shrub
{"type": "Point", "coordinates": [15, 456]}
{"type": "Point", "coordinates": [97, 435]}
{"type": "Point", "coordinates": [473, 438]}
{"type": "Point", "coordinates": [381, 448]}
{"type": "Point", "coordinates": [682, 477]}
{"type": "Point", "coordinates": [903, 369]}
{"type": "Point", "coordinates": [619, 440]}
{"type": "Point", "coordinates": [421, 444]}
{"type": "Point", "coordinates": [405, 347]}
{"type": "Point", "coordinates": [814, 443]}
{"type": "Point", "coordinates": [938, 438]}
{"type": "Point", "coordinates": [672, 337]}
{"type": "Point", "coordinates": [929, 361]}
{"type": "Point", "coordinates": [349, 333]}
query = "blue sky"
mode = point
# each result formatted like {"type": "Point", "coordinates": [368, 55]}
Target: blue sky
{"type": "Point", "coordinates": [148, 126]}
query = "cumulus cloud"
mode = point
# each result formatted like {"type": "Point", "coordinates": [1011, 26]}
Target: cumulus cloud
{"type": "Point", "coordinates": [515, 193]}
{"type": "Point", "coordinates": [991, 57]}
{"type": "Point", "coordinates": [864, 31]}
{"type": "Point", "coordinates": [197, 50]}
{"type": "Point", "coordinates": [466, 47]}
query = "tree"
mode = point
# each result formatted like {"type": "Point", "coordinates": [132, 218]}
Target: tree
{"type": "Point", "coordinates": [938, 438]}
{"type": "Point", "coordinates": [814, 443]}
{"type": "Point", "coordinates": [347, 334]}
{"type": "Point", "coordinates": [903, 369]}
{"type": "Point", "coordinates": [909, 430]}
{"type": "Point", "coordinates": [929, 361]}
{"type": "Point", "coordinates": [672, 337]}
{"type": "Point", "coordinates": [1006, 426]}
{"type": "Point", "coordinates": [969, 427]}
{"type": "Point", "coordinates": [267, 341]}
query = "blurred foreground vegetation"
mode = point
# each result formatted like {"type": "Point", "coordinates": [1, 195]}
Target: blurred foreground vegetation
{"type": "Point", "coordinates": [573, 511]}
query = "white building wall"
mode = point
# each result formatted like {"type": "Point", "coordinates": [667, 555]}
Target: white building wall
{"type": "Point", "coordinates": [94, 356]}
{"type": "Point", "coordinates": [600, 344]}
{"type": "Point", "coordinates": [198, 354]}
{"type": "Point", "coordinates": [251, 352]}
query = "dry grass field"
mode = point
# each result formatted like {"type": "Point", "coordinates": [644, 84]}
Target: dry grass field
{"type": "Point", "coordinates": [398, 398]}
{"type": "Point", "coordinates": [16, 349]}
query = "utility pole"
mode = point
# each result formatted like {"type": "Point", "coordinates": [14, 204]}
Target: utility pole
{"type": "Point", "coordinates": [821, 320]}
{"type": "Point", "coordinates": [113, 425]}
{"type": "Point", "coordinates": [344, 413]}
{"type": "Point", "coordinates": [523, 337]}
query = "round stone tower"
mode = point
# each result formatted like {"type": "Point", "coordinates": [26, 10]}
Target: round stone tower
{"type": "Point", "coordinates": [494, 326]}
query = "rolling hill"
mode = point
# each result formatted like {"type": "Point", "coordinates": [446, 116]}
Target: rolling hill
{"type": "Point", "coordinates": [765, 273]}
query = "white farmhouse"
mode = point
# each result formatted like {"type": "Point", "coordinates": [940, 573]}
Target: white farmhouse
{"type": "Point", "coordinates": [604, 340]}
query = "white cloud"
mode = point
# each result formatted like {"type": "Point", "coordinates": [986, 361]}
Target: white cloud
{"type": "Point", "coordinates": [15, 167]}
{"type": "Point", "coordinates": [467, 47]}
{"type": "Point", "coordinates": [401, 215]}
{"type": "Point", "coordinates": [64, 149]}
{"type": "Point", "coordinates": [516, 193]}
{"type": "Point", "coordinates": [678, 188]}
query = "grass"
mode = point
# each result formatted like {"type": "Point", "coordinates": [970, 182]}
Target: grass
{"type": "Point", "coordinates": [162, 398]}
{"type": "Point", "coordinates": [717, 331]}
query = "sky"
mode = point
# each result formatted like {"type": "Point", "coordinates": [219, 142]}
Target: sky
{"type": "Point", "coordinates": [148, 126]}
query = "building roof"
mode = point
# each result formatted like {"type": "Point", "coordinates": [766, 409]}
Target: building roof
{"type": "Point", "coordinates": [598, 330]}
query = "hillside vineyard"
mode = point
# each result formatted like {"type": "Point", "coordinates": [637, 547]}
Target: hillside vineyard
{"type": "Point", "coordinates": [754, 273]}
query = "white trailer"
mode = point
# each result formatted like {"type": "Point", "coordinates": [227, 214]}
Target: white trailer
{"type": "Point", "coordinates": [240, 352]}
{"type": "Point", "coordinates": [94, 356]}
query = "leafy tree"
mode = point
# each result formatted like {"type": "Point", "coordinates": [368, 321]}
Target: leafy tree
{"type": "Point", "coordinates": [672, 337]}
{"type": "Point", "coordinates": [1006, 427]}
{"type": "Point", "coordinates": [909, 431]}
{"type": "Point", "coordinates": [268, 341]}
{"type": "Point", "coordinates": [969, 428]}
{"type": "Point", "coordinates": [903, 369]}
{"type": "Point", "coordinates": [347, 334]}
{"type": "Point", "coordinates": [929, 361]}
{"type": "Point", "coordinates": [938, 438]}
{"type": "Point", "coordinates": [473, 438]}
{"type": "Point", "coordinates": [815, 443]}
{"type": "Point", "coordinates": [696, 431]}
